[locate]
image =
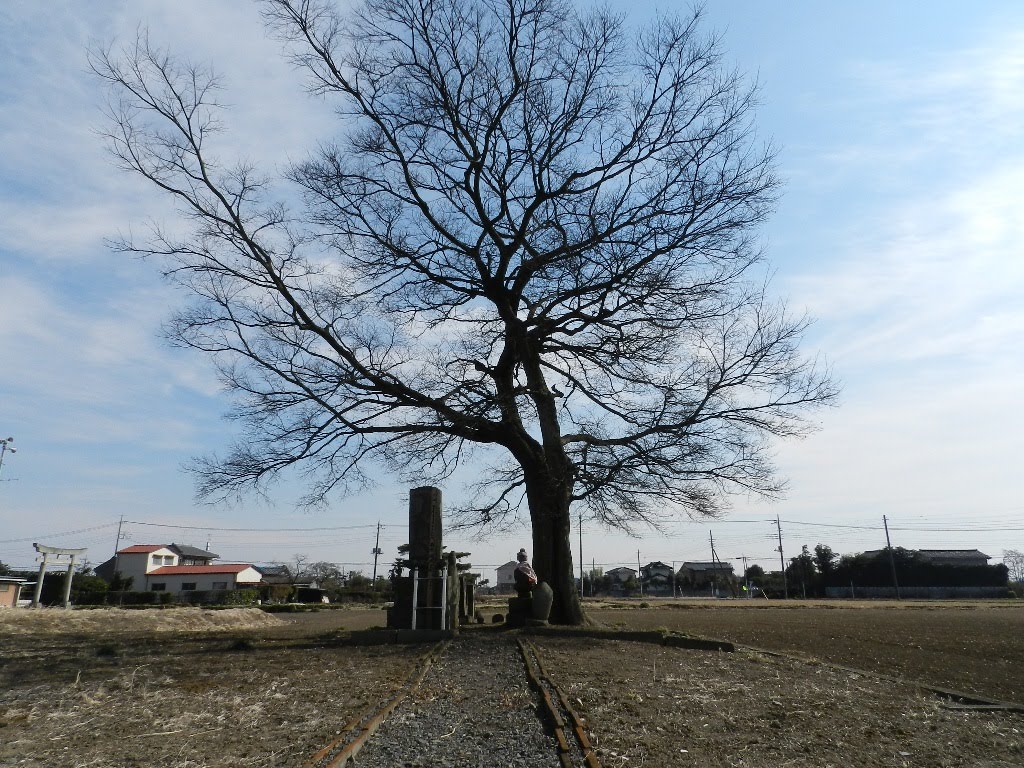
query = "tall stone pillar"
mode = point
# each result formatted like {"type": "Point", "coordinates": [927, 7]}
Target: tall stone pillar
{"type": "Point", "coordinates": [425, 537]}
{"type": "Point", "coordinates": [425, 526]}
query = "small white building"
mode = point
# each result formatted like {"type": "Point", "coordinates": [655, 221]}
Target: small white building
{"type": "Point", "coordinates": [193, 578]}
{"type": "Point", "coordinates": [10, 591]}
{"type": "Point", "coordinates": [506, 583]}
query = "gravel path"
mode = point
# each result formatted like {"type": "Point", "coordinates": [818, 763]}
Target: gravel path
{"type": "Point", "coordinates": [474, 709]}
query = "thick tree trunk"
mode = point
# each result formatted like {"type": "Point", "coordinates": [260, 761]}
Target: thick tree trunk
{"type": "Point", "coordinates": [552, 549]}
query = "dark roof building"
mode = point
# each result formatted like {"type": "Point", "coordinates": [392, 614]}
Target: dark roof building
{"type": "Point", "coordinates": [192, 555]}
{"type": "Point", "coordinates": [962, 557]}
{"type": "Point", "coordinates": [274, 574]}
{"type": "Point", "coordinates": [954, 556]}
{"type": "Point", "coordinates": [707, 565]}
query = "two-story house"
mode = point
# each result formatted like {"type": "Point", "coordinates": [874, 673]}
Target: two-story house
{"type": "Point", "coordinates": [702, 575]}
{"type": "Point", "coordinates": [657, 578]}
{"type": "Point", "coordinates": [177, 568]}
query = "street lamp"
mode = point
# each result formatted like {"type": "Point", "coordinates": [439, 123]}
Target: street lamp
{"type": "Point", "coordinates": [5, 446]}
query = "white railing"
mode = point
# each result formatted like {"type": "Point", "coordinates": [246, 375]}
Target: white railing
{"type": "Point", "coordinates": [444, 596]}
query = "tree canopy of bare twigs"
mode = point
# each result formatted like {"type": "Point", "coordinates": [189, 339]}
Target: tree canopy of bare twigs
{"type": "Point", "coordinates": [1013, 559]}
{"type": "Point", "coordinates": [533, 245]}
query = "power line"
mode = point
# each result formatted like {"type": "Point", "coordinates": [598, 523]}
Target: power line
{"type": "Point", "coordinates": [254, 530]}
{"type": "Point", "coordinates": [55, 535]}
{"type": "Point", "coordinates": [954, 530]}
{"type": "Point", "coordinates": [834, 525]}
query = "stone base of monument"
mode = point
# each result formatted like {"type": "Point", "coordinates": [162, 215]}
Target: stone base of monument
{"type": "Point", "coordinates": [520, 611]}
{"type": "Point", "coordinates": [532, 610]}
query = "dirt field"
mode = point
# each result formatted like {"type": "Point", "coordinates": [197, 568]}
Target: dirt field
{"type": "Point", "coordinates": [126, 689]}
{"type": "Point", "coordinates": [242, 688]}
{"type": "Point", "coordinates": [656, 706]}
{"type": "Point", "coordinates": [975, 647]}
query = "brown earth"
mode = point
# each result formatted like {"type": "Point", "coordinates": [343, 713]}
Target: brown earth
{"type": "Point", "coordinates": [129, 690]}
{"type": "Point", "coordinates": [658, 706]}
{"type": "Point", "coordinates": [241, 688]}
{"type": "Point", "coordinates": [975, 647]}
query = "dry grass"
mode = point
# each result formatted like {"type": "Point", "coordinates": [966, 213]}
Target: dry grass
{"type": "Point", "coordinates": [116, 620]}
{"type": "Point", "coordinates": [234, 695]}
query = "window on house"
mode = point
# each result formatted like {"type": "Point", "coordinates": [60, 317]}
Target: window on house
{"type": "Point", "coordinates": [158, 587]}
{"type": "Point", "coordinates": [5, 587]}
{"type": "Point", "coordinates": [157, 560]}
{"type": "Point", "coordinates": [188, 586]}
{"type": "Point", "coordinates": [220, 585]}
{"type": "Point", "coordinates": [168, 559]}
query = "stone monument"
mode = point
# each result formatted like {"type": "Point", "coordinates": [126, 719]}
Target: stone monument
{"type": "Point", "coordinates": [436, 594]}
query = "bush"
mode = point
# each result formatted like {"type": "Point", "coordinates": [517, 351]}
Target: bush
{"type": "Point", "coordinates": [138, 598]}
{"type": "Point", "coordinates": [240, 597]}
{"type": "Point", "coordinates": [219, 597]}
{"type": "Point", "coordinates": [287, 607]}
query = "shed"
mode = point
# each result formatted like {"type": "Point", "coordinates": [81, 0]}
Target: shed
{"type": "Point", "coordinates": [10, 591]}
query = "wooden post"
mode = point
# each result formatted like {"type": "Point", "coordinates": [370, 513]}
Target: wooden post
{"type": "Point", "coordinates": [415, 584]}
{"type": "Point", "coordinates": [444, 598]}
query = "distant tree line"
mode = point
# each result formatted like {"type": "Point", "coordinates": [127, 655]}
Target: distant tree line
{"type": "Point", "coordinates": [810, 574]}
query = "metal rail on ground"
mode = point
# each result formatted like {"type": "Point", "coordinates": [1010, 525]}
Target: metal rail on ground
{"type": "Point", "coordinates": [359, 729]}
{"type": "Point", "coordinates": [559, 714]}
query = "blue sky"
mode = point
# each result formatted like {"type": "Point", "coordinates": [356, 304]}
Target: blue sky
{"type": "Point", "coordinates": [899, 128]}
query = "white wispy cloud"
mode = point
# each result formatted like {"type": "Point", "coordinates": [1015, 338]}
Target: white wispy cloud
{"type": "Point", "coordinates": [965, 99]}
{"type": "Point", "coordinates": [934, 269]}
{"type": "Point", "coordinates": [919, 299]}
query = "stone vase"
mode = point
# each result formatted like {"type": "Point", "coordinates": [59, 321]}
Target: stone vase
{"type": "Point", "coordinates": [543, 597]}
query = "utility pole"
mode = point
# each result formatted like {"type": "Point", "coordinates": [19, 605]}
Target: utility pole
{"type": "Point", "coordinates": [892, 558]}
{"type": "Point", "coordinates": [746, 581]}
{"type": "Point", "coordinates": [376, 552]}
{"type": "Point", "coordinates": [117, 546]}
{"type": "Point", "coordinates": [117, 543]}
{"type": "Point", "coordinates": [714, 565]}
{"type": "Point", "coordinates": [639, 573]}
{"type": "Point", "coordinates": [782, 560]}
{"type": "Point", "coordinates": [581, 554]}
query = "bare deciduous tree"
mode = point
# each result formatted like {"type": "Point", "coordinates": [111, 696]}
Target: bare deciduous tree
{"type": "Point", "coordinates": [1013, 559]}
{"type": "Point", "coordinates": [298, 568]}
{"type": "Point", "coordinates": [533, 247]}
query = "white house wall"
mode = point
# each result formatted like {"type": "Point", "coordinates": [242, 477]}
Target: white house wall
{"type": "Point", "coordinates": [506, 574]}
{"type": "Point", "coordinates": [136, 565]}
{"type": "Point", "coordinates": [250, 577]}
